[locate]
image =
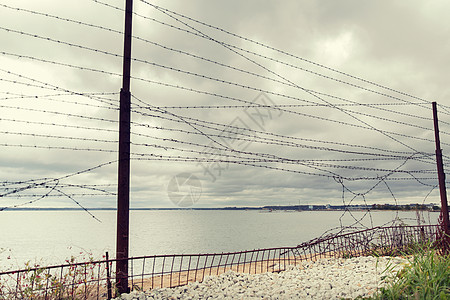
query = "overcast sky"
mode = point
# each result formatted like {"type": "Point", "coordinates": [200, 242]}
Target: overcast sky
{"type": "Point", "coordinates": [349, 85]}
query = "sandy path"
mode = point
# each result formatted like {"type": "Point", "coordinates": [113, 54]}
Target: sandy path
{"type": "Point", "coordinates": [184, 277]}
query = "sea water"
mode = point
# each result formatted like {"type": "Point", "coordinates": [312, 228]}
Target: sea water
{"type": "Point", "coordinates": [51, 237]}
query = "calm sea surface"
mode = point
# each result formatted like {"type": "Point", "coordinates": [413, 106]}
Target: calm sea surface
{"type": "Point", "coordinates": [49, 237]}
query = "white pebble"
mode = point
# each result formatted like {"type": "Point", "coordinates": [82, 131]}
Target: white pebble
{"type": "Point", "coordinates": [323, 279]}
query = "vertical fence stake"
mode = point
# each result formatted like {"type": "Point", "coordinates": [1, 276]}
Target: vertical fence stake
{"type": "Point", "coordinates": [123, 189]}
{"type": "Point", "coordinates": [441, 178]}
{"type": "Point", "coordinates": [108, 277]}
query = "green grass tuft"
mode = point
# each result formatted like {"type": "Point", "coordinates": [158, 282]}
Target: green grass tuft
{"type": "Point", "coordinates": [427, 276]}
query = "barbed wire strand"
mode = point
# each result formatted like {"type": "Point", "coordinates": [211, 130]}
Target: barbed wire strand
{"type": "Point", "coordinates": [286, 53]}
{"type": "Point", "coordinates": [202, 35]}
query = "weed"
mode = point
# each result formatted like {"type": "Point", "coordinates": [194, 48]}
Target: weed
{"type": "Point", "coordinates": [71, 281]}
{"type": "Point", "coordinates": [426, 276]}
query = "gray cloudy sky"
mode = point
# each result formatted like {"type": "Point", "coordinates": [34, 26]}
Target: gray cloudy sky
{"type": "Point", "coordinates": [325, 132]}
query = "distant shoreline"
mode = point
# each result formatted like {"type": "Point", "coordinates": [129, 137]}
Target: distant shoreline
{"type": "Point", "coordinates": [292, 208]}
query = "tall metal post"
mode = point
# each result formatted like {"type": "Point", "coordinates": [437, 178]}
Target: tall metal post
{"type": "Point", "coordinates": [123, 189]}
{"type": "Point", "coordinates": [441, 177]}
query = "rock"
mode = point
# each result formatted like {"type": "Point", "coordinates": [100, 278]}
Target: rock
{"type": "Point", "coordinates": [323, 279]}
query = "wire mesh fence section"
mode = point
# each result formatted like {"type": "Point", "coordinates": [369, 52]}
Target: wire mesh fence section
{"type": "Point", "coordinates": [176, 270]}
{"type": "Point", "coordinates": [96, 279]}
{"type": "Point", "coordinates": [375, 241]}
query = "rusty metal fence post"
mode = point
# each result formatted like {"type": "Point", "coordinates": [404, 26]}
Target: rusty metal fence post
{"type": "Point", "coordinates": [123, 189]}
{"type": "Point", "coordinates": [441, 178]}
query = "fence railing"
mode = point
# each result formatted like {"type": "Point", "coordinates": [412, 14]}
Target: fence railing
{"type": "Point", "coordinates": [95, 279]}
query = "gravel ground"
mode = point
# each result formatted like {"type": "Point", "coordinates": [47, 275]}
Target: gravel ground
{"type": "Point", "coordinates": [323, 279]}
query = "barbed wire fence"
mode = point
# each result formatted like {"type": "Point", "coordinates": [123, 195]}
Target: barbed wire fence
{"type": "Point", "coordinates": [212, 115]}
